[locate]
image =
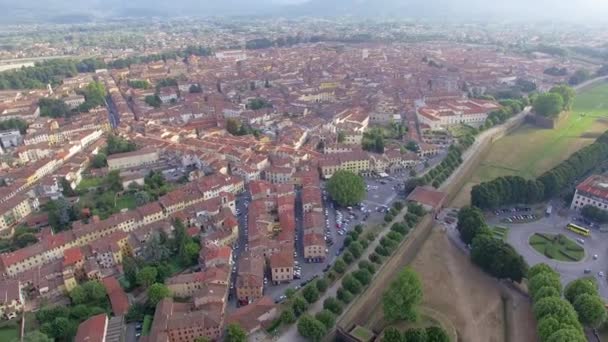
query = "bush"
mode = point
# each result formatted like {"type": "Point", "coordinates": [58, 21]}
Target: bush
{"type": "Point", "coordinates": [388, 217]}
{"type": "Point", "coordinates": [355, 249]}
{"type": "Point", "coordinates": [327, 318]}
{"type": "Point", "coordinates": [310, 293]}
{"type": "Point", "coordinates": [363, 276]}
{"type": "Point", "coordinates": [437, 334]}
{"type": "Point", "coordinates": [322, 284]}
{"type": "Point", "coordinates": [359, 229]}
{"type": "Point", "coordinates": [333, 305]}
{"type": "Point", "coordinates": [394, 236]}
{"type": "Point", "coordinates": [344, 295]}
{"type": "Point", "coordinates": [348, 257]}
{"type": "Point", "coordinates": [380, 250]}
{"type": "Point", "coordinates": [375, 258]}
{"type": "Point", "coordinates": [370, 236]}
{"type": "Point", "coordinates": [299, 306]}
{"type": "Point", "coordinates": [287, 316]}
{"type": "Point", "coordinates": [340, 266]}
{"type": "Point", "coordinates": [364, 264]}
{"type": "Point", "coordinates": [350, 283]}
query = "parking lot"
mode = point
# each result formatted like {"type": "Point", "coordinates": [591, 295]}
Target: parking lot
{"type": "Point", "coordinates": [381, 192]}
{"type": "Point", "coordinates": [518, 236]}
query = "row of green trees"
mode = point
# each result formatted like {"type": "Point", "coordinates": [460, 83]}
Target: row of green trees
{"type": "Point", "coordinates": [38, 76]}
{"type": "Point", "coordinates": [353, 283]}
{"type": "Point", "coordinates": [515, 189]}
{"type": "Point", "coordinates": [509, 108]}
{"type": "Point", "coordinates": [428, 334]}
{"type": "Point", "coordinates": [437, 175]}
{"type": "Point", "coordinates": [557, 319]}
{"type": "Point", "coordinates": [54, 71]}
{"type": "Point", "coordinates": [493, 255]}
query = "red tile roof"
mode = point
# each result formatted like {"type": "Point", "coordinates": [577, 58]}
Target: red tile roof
{"type": "Point", "coordinates": [93, 329]}
{"type": "Point", "coordinates": [72, 256]}
{"type": "Point", "coordinates": [427, 196]}
{"type": "Point", "coordinates": [118, 297]}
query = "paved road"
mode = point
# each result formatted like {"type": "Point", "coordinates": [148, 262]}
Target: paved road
{"type": "Point", "coordinates": [519, 235]}
{"type": "Point", "coordinates": [130, 334]}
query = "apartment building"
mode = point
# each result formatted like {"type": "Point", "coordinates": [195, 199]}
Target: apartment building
{"type": "Point", "coordinates": [357, 162]}
{"type": "Point", "coordinates": [133, 159]}
{"type": "Point", "coordinates": [282, 266]}
{"type": "Point", "coordinates": [592, 191]}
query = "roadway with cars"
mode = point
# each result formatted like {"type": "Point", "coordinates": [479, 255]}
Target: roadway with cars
{"type": "Point", "coordinates": [595, 245]}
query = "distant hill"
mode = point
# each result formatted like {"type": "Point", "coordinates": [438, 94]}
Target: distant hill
{"type": "Point", "coordinates": [78, 10]}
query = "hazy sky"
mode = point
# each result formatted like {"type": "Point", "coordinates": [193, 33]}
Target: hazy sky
{"type": "Point", "coordinates": [528, 10]}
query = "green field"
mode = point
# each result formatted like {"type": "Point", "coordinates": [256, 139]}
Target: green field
{"type": "Point", "coordinates": [9, 334]}
{"type": "Point", "coordinates": [529, 151]}
{"type": "Point", "coordinates": [500, 232]}
{"type": "Point", "coordinates": [362, 334]}
{"type": "Point", "coordinates": [557, 247]}
{"type": "Point", "coordinates": [89, 182]}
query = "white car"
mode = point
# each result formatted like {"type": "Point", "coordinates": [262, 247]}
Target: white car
{"type": "Point", "coordinates": [600, 274]}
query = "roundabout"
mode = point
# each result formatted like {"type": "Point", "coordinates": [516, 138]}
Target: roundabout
{"type": "Point", "coordinates": [590, 261]}
{"type": "Point", "coordinates": [557, 247]}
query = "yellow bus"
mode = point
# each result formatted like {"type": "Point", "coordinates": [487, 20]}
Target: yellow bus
{"type": "Point", "coordinates": [578, 229]}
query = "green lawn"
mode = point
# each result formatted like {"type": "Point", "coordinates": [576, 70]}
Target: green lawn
{"type": "Point", "coordinates": [529, 151]}
{"type": "Point", "coordinates": [500, 232]}
{"type": "Point", "coordinates": [125, 202]}
{"type": "Point", "coordinates": [145, 329]}
{"type": "Point", "coordinates": [557, 247]}
{"type": "Point", "coordinates": [9, 334]}
{"type": "Point", "coordinates": [363, 334]}
{"type": "Point", "coordinates": [89, 182]}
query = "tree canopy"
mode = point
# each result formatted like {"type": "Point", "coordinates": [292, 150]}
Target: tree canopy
{"type": "Point", "coordinates": [470, 223]}
{"type": "Point", "coordinates": [156, 292]}
{"type": "Point", "coordinates": [548, 104]}
{"type": "Point", "coordinates": [498, 258]}
{"type": "Point", "coordinates": [346, 188]}
{"type": "Point", "coordinates": [54, 108]}
{"type": "Point", "coordinates": [567, 93]}
{"type": "Point", "coordinates": [311, 328]}
{"type": "Point", "coordinates": [234, 333]}
{"type": "Point", "coordinates": [400, 301]}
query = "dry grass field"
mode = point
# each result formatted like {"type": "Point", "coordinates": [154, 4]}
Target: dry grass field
{"type": "Point", "coordinates": [467, 296]}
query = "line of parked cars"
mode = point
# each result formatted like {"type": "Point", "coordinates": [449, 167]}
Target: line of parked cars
{"type": "Point", "coordinates": [512, 210]}
{"type": "Point", "coordinates": [518, 218]}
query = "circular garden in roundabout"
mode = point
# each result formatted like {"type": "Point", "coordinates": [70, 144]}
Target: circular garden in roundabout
{"type": "Point", "coordinates": [557, 247]}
